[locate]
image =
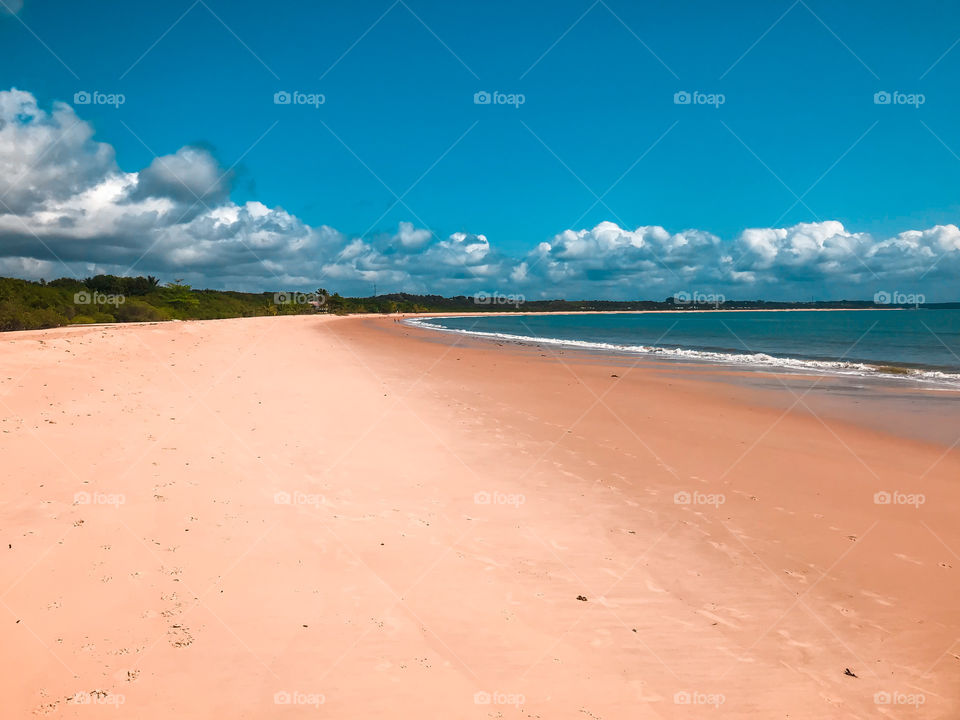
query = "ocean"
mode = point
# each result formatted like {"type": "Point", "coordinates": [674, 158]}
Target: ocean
{"type": "Point", "coordinates": [918, 344]}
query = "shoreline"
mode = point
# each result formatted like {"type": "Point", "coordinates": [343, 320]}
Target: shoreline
{"type": "Point", "coordinates": [876, 401]}
{"type": "Point", "coordinates": [937, 377]}
{"type": "Point", "coordinates": [643, 312]}
{"type": "Point", "coordinates": [364, 518]}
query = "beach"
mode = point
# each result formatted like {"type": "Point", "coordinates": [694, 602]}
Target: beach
{"type": "Point", "coordinates": [317, 516]}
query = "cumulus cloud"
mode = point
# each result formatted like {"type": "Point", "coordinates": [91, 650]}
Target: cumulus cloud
{"type": "Point", "coordinates": [190, 175]}
{"type": "Point", "coordinates": [66, 208]}
{"type": "Point", "coordinates": [610, 255]}
{"type": "Point", "coordinates": [412, 238]}
{"type": "Point", "coordinates": [46, 156]}
{"type": "Point", "coordinates": [828, 251]}
{"type": "Point", "coordinates": [822, 257]}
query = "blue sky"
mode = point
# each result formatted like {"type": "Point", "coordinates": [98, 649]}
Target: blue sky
{"type": "Point", "coordinates": [599, 138]}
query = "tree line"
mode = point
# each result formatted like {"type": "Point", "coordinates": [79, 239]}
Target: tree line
{"type": "Point", "coordinates": [28, 305]}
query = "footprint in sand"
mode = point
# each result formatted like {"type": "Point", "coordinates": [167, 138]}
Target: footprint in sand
{"type": "Point", "coordinates": [179, 636]}
{"type": "Point", "coordinates": [171, 612]}
{"type": "Point", "coordinates": [846, 612]}
{"type": "Point", "coordinates": [796, 576]}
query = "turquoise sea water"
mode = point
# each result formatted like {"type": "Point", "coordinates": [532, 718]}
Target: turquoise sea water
{"type": "Point", "coordinates": [848, 341]}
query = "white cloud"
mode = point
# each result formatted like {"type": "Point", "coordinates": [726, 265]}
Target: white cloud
{"type": "Point", "coordinates": [824, 257]}
{"type": "Point", "coordinates": [412, 238]}
{"type": "Point", "coordinates": [828, 251]}
{"type": "Point", "coordinates": [67, 208]}
{"type": "Point", "coordinates": [46, 156]}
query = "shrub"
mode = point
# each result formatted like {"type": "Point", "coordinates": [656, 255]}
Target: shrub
{"type": "Point", "coordinates": [137, 311]}
{"type": "Point", "coordinates": [17, 317]}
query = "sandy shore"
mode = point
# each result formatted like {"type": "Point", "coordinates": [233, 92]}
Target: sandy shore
{"type": "Point", "coordinates": [350, 518]}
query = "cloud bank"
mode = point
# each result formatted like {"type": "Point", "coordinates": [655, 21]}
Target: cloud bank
{"type": "Point", "coordinates": [66, 208]}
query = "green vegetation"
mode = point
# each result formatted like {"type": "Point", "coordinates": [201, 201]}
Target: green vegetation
{"type": "Point", "coordinates": [26, 305]}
